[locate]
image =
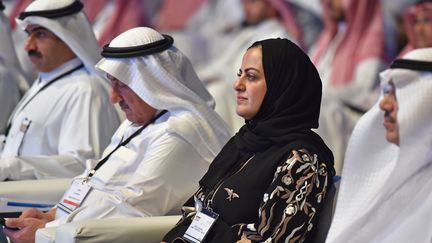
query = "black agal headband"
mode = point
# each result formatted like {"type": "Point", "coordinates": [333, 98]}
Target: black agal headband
{"type": "Point", "coordinates": [412, 65]}
{"type": "Point", "coordinates": [2, 7]}
{"type": "Point", "coordinates": [136, 51]}
{"type": "Point", "coordinates": [75, 7]}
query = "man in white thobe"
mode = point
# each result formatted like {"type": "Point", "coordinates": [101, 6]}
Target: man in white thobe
{"type": "Point", "coordinates": [158, 154]}
{"type": "Point", "coordinates": [386, 188]}
{"type": "Point", "coordinates": [66, 117]}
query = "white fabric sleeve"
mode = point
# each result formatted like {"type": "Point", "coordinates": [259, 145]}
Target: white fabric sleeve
{"type": "Point", "coordinates": [86, 128]}
{"type": "Point", "coordinates": [9, 96]}
{"type": "Point", "coordinates": [165, 178]}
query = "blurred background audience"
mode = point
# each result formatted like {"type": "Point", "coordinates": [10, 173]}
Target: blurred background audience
{"type": "Point", "coordinates": [350, 42]}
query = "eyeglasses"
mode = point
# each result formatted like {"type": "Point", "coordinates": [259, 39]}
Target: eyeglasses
{"type": "Point", "coordinates": [389, 88]}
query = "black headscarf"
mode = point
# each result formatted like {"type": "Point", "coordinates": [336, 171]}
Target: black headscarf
{"type": "Point", "coordinates": [289, 111]}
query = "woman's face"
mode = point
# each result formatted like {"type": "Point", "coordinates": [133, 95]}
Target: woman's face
{"type": "Point", "coordinates": [251, 85]}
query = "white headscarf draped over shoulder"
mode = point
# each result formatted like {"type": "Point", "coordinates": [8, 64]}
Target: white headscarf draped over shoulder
{"type": "Point", "coordinates": [166, 80]}
{"type": "Point", "coordinates": [384, 185]}
{"type": "Point", "coordinates": [72, 27]}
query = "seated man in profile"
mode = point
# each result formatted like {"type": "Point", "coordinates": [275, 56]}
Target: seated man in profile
{"type": "Point", "coordinates": [386, 188]}
{"type": "Point", "coordinates": [158, 154]}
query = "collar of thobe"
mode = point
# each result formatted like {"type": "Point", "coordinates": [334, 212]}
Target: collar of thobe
{"type": "Point", "coordinates": [125, 142]}
{"type": "Point", "coordinates": [46, 77]}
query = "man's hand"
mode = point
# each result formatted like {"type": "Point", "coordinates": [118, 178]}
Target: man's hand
{"type": "Point", "coordinates": [36, 213]}
{"type": "Point", "coordinates": [27, 229]}
{"type": "Point", "coordinates": [29, 221]}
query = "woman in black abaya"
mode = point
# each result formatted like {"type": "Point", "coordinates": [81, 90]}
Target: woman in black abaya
{"type": "Point", "coordinates": [270, 180]}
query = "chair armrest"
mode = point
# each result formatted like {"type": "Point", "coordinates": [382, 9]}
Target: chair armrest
{"type": "Point", "coordinates": [142, 229]}
{"type": "Point", "coordinates": [16, 196]}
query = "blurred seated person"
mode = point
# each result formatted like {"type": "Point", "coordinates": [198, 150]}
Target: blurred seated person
{"type": "Point", "coordinates": [270, 180]}
{"type": "Point", "coordinates": [418, 26]}
{"type": "Point", "coordinates": [13, 9]}
{"type": "Point", "coordinates": [353, 30]}
{"type": "Point", "coordinates": [156, 156]}
{"type": "Point", "coordinates": [109, 18]}
{"type": "Point", "coordinates": [386, 188]}
{"type": "Point", "coordinates": [66, 117]}
{"type": "Point", "coordinates": [210, 23]}
{"type": "Point", "coordinates": [349, 54]}
{"type": "Point", "coordinates": [12, 80]}
{"type": "Point", "coordinates": [174, 15]}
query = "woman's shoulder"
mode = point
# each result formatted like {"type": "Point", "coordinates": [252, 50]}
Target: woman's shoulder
{"type": "Point", "coordinates": [303, 157]}
{"type": "Point", "coordinates": [301, 154]}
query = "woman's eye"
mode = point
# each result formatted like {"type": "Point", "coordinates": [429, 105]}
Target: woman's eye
{"type": "Point", "coordinates": [250, 77]}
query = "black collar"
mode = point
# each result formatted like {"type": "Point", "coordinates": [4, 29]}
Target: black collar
{"type": "Point", "coordinates": [136, 51]}
{"type": "Point", "coordinates": [75, 7]}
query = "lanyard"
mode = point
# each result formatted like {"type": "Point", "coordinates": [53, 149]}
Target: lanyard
{"type": "Point", "coordinates": [40, 90]}
{"type": "Point", "coordinates": [136, 133]}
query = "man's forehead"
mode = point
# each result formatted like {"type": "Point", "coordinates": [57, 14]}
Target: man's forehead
{"type": "Point", "coordinates": [33, 27]}
{"type": "Point", "coordinates": [112, 78]}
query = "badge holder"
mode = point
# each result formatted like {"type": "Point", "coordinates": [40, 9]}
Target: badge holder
{"type": "Point", "coordinates": [11, 148]}
{"type": "Point", "coordinates": [200, 226]}
{"type": "Point", "coordinates": [74, 197]}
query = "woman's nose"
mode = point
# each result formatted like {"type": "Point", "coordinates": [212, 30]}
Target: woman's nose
{"type": "Point", "coordinates": [239, 85]}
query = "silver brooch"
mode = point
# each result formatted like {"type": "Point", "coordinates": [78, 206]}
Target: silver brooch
{"type": "Point", "coordinates": [231, 194]}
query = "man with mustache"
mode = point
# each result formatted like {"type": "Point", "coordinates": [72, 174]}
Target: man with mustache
{"type": "Point", "coordinates": [158, 154]}
{"type": "Point", "coordinates": [66, 117]}
{"type": "Point", "coordinates": [386, 188]}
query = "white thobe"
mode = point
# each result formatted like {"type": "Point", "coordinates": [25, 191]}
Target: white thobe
{"type": "Point", "coordinates": [409, 209]}
{"type": "Point", "coordinates": [70, 121]}
{"type": "Point", "coordinates": [154, 174]}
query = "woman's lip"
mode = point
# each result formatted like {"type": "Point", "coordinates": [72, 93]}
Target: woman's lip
{"type": "Point", "coordinates": [241, 99]}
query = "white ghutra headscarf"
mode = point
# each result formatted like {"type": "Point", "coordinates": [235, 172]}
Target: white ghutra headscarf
{"type": "Point", "coordinates": [166, 80]}
{"type": "Point", "coordinates": [386, 190]}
